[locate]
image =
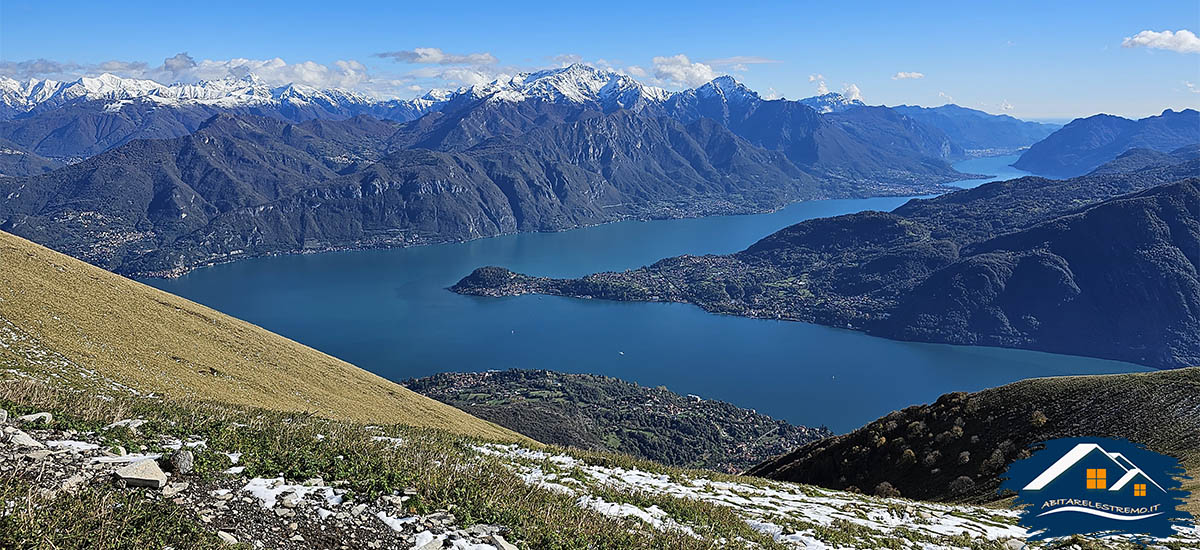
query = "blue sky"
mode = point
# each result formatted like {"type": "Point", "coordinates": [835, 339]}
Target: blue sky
{"type": "Point", "coordinates": [1028, 59]}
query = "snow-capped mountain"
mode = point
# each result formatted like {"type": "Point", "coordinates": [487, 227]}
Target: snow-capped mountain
{"type": "Point", "coordinates": [17, 97]}
{"type": "Point", "coordinates": [578, 83]}
{"type": "Point", "coordinates": [831, 102]}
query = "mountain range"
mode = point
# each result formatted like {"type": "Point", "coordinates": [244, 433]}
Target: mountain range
{"type": "Point", "coordinates": [73, 120]}
{"type": "Point", "coordinates": [162, 178]}
{"type": "Point", "coordinates": [975, 130]}
{"type": "Point", "coordinates": [237, 169]}
{"type": "Point", "coordinates": [1104, 265]}
{"type": "Point", "coordinates": [1086, 143]}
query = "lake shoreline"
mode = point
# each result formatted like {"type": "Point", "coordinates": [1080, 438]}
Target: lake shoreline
{"type": "Point", "coordinates": [733, 209]}
{"type": "Point", "coordinates": [388, 311]}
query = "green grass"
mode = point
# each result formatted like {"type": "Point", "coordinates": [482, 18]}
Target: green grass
{"type": "Point", "coordinates": [98, 517]}
{"type": "Point", "coordinates": [442, 468]}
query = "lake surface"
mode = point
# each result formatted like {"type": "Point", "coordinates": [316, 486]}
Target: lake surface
{"type": "Point", "coordinates": [388, 311]}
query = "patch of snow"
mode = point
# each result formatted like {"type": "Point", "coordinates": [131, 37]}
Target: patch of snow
{"type": "Point", "coordinates": [268, 491]}
{"type": "Point", "coordinates": [72, 445]}
{"type": "Point", "coordinates": [396, 524]}
{"type": "Point", "coordinates": [125, 458]}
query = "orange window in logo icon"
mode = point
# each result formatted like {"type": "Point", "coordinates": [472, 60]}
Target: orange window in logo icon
{"type": "Point", "coordinates": [1097, 478]}
{"type": "Point", "coordinates": [1139, 489]}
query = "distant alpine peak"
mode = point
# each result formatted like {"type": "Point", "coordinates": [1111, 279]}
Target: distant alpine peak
{"type": "Point", "coordinates": [576, 83]}
{"type": "Point", "coordinates": [228, 92]}
{"type": "Point", "coordinates": [831, 102]}
{"type": "Point", "coordinates": [729, 88]}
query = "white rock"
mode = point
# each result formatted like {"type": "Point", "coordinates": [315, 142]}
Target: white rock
{"type": "Point", "coordinates": [502, 544]}
{"type": "Point", "coordinates": [132, 423]}
{"type": "Point", "coordinates": [142, 474]}
{"type": "Point", "coordinates": [36, 417]}
{"type": "Point", "coordinates": [173, 489]}
{"type": "Point", "coordinates": [22, 439]}
{"type": "Point", "coordinates": [226, 537]}
{"type": "Point", "coordinates": [428, 541]}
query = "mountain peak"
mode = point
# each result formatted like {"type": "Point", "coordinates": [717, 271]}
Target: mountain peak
{"type": "Point", "coordinates": [831, 102]}
{"type": "Point", "coordinates": [728, 87]}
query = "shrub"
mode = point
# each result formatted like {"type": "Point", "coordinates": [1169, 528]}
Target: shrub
{"type": "Point", "coordinates": [1038, 419]}
{"type": "Point", "coordinates": [908, 457]}
{"type": "Point", "coordinates": [961, 485]}
{"type": "Point", "coordinates": [885, 489]}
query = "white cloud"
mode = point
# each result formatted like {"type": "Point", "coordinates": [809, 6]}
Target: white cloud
{"type": "Point", "coordinates": [946, 97]}
{"type": "Point", "coordinates": [907, 75]}
{"type": "Point", "coordinates": [566, 59]}
{"type": "Point", "coordinates": [275, 72]}
{"type": "Point", "coordinates": [772, 94]}
{"type": "Point", "coordinates": [1005, 105]}
{"type": "Point", "coordinates": [1182, 41]}
{"type": "Point", "coordinates": [819, 78]}
{"type": "Point", "coordinates": [678, 70]}
{"type": "Point", "coordinates": [435, 56]}
{"type": "Point", "coordinates": [636, 71]}
{"type": "Point", "coordinates": [1191, 86]}
{"type": "Point", "coordinates": [851, 92]}
{"type": "Point", "coordinates": [461, 76]}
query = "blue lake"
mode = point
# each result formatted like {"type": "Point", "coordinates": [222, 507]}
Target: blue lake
{"type": "Point", "coordinates": [388, 311]}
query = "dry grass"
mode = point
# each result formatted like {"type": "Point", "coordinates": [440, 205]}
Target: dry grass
{"type": "Point", "coordinates": [158, 342]}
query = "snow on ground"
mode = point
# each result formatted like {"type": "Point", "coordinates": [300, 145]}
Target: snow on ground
{"type": "Point", "coordinates": [72, 445]}
{"type": "Point", "coordinates": [268, 491]}
{"type": "Point", "coordinates": [797, 515]}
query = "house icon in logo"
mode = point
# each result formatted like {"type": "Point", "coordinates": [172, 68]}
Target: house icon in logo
{"type": "Point", "coordinates": [1092, 468]}
{"type": "Point", "coordinates": [1093, 485]}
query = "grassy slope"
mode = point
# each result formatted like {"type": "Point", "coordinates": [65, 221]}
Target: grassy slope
{"type": "Point", "coordinates": [158, 342]}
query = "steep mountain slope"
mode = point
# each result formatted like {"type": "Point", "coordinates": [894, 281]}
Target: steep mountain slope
{"type": "Point", "coordinates": [15, 161]}
{"type": "Point", "coordinates": [601, 413]}
{"type": "Point", "coordinates": [248, 185]}
{"type": "Point", "coordinates": [158, 343]}
{"type": "Point", "coordinates": [75, 120]}
{"type": "Point", "coordinates": [946, 262]}
{"type": "Point", "coordinates": [139, 198]}
{"type": "Point", "coordinates": [976, 130]}
{"type": "Point", "coordinates": [1086, 143]}
{"type": "Point", "coordinates": [925, 450]}
{"type": "Point", "coordinates": [1141, 159]}
{"type": "Point", "coordinates": [1120, 279]}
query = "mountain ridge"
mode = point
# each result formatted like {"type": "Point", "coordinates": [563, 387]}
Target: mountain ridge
{"type": "Point", "coordinates": [1086, 143]}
